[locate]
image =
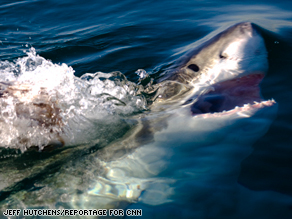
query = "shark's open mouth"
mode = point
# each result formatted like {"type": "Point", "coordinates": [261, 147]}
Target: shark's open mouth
{"type": "Point", "coordinates": [236, 93]}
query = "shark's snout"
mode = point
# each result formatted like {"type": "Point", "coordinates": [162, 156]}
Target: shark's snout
{"type": "Point", "coordinates": [244, 29]}
{"type": "Point", "coordinates": [247, 28]}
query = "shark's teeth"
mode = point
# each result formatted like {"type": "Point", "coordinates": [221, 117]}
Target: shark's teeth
{"type": "Point", "coordinates": [246, 105]}
{"type": "Point", "coordinates": [240, 113]}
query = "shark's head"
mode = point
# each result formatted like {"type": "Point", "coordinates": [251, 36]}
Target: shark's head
{"type": "Point", "coordinates": [221, 74]}
{"type": "Point", "coordinates": [238, 51]}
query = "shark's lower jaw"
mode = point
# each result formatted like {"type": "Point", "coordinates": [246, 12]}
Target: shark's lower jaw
{"type": "Point", "coordinates": [239, 94]}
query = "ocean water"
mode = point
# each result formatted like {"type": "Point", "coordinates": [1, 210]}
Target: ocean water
{"type": "Point", "coordinates": [107, 36]}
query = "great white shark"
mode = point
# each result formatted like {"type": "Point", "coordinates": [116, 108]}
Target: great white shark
{"type": "Point", "coordinates": [185, 153]}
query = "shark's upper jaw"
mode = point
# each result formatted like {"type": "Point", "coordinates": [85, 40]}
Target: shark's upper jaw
{"type": "Point", "coordinates": [231, 95]}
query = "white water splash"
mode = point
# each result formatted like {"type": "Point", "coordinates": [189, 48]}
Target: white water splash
{"type": "Point", "coordinates": [42, 102]}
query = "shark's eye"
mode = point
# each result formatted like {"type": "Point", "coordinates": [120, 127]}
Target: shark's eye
{"type": "Point", "coordinates": [194, 67]}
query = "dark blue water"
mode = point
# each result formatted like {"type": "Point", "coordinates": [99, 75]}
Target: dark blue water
{"type": "Point", "coordinates": [128, 35]}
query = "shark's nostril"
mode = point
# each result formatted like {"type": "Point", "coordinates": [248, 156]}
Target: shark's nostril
{"type": "Point", "coordinates": [222, 56]}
